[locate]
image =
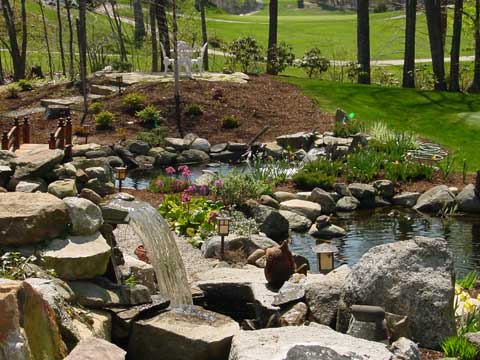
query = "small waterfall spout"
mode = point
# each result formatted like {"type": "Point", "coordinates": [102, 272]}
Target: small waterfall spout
{"type": "Point", "coordinates": [161, 248]}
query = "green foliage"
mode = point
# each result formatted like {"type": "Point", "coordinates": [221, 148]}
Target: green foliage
{"type": "Point", "coordinates": [312, 180]}
{"type": "Point", "coordinates": [131, 281]}
{"type": "Point", "coordinates": [133, 103]}
{"type": "Point", "coordinates": [270, 171]}
{"type": "Point", "coordinates": [12, 91]}
{"type": "Point", "coordinates": [104, 120]}
{"type": "Point", "coordinates": [242, 225]}
{"type": "Point", "coordinates": [407, 171]}
{"type": "Point", "coordinates": [193, 110]}
{"type": "Point", "coordinates": [195, 219]}
{"type": "Point", "coordinates": [246, 52]}
{"type": "Point", "coordinates": [122, 66]}
{"type": "Point", "coordinates": [149, 116]}
{"type": "Point", "coordinates": [13, 266]}
{"type": "Point", "coordinates": [236, 188]}
{"type": "Point", "coordinates": [281, 56]}
{"type": "Point", "coordinates": [154, 137]}
{"type": "Point", "coordinates": [469, 281]}
{"type": "Point", "coordinates": [459, 347]}
{"type": "Point", "coordinates": [96, 107]}
{"type": "Point", "coordinates": [447, 165]}
{"type": "Point", "coordinates": [230, 122]}
{"type": "Point", "coordinates": [347, 128]}
{"type": "Point", "coordinates": [364, 165]}
{"type": "Point", "coordinates": [313, 63]}
{"type": "Point", "coordinates": [25, 85]}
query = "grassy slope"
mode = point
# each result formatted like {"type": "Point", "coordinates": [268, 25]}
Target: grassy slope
{"type": "Point", "coordinates": [432, 115]}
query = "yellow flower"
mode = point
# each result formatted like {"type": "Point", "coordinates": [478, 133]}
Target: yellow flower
{"type": "Point", "coordinates": [464, 296]}
{"type": "Point", "coordinates": [468, 306]}
{"type": "Point", "coordinates": [478, 297]}
{"type": "Point", "coordinates": [458, 290]}
{"type": "Point", "coordinates": [396, 163]}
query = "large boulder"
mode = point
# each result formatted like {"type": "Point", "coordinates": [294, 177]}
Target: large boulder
{"type": "Point", "coordinates": [63, 188]}
{"type": "Point", "coordinates": [322, 296]}
{"type": "Point", "coordinates": [296, 221]}
{"type": "Point", "coordinates": [183, 333]}
{"type": "Point", "coordinates": [6, 157]}
{"type": "Point", "coordinates": [193, 156]}
{"type": "Point", "coordinates": [301, 140]}
{"type": "Point", "coordinates": [282, 196]}
{"type": "Point", "coordinates": [200, 144]}
{"type": "Point", "coordinates": [304, 343]}
{"type": "Point", "coordinates": [86, 217]}
{"type": "Point", "coordinates": [271, 222]}
{"type": "Point", "coordinates": [36, 164]}
{"type": "Point", "coordinates": [306, 208]}
{"type": "Point", "coordinates": [412, 278]}
{"type": "Point", "coordinates": [94, 348]}
{"type": "Point", "coordinates": [31, 218]}
{"type": "Point", "coordinates": [28, 329]}
{"type": "Point", "coordinates": [468, 201]}
{"type": "Point", "coordinates": [323, 198]}
{"type": "Point", "coordinates": [100, 187]}
{"type": "Point", "coordinates": [436, 199]}
{"type": "Point", "coordinates": [82, 149]}
{"type": "Point", "coordinates": [385, 188]}
{"type": "Point", "coordinates": [347, 203]}
{"type": "Point", "coordinates": [365, 193]}
{"type": "Point", "coordinates": [407, 199]}
{"type": "Point", "coordinates": [327, 232]}
{"type": "Point", "coordinates": [236, 245]}
{"type": "Point", "coordinates": [77, 257]}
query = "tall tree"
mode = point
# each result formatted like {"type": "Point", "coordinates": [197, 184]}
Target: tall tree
{"type": "Point", "coordinates": [363, 41]}
{"type": "Point", "coordinates": [116, 25]}
{"type": "Point", "coordinates": [71, 54]}
{"type": "Point", "coordinates": [18, 52]}
{"type": "Point", "coordinates": [60, 38]}
{"type": "Point", "coordinates": [475, 87]}
{"type": "Point", "coordinates": [47, 43]}
{"type": "Point", "coordinates": [435, 34]}
{"type": "Point", "coordinates": [204, 33]}
{"type": "Point", "coordinates": [139, 22]}
{"type": "Point", "coordinates": [455, 51]}
{"type": "Point", "coordinates": [409, 58]}
{"type": "Point", "coordinates": [153, 35]}
{"type": "Point", "coordinates": [2, 74]}
{"type": "Point", "coordinates": [272, 36]}
{"type": "Point", "coordinates": [82, 49]}
{"type": "Point", "coordinates": [162, 24]}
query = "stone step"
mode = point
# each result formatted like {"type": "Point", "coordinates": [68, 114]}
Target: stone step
{"type": "Point", "coordinates": [103, 90]}
{"type": "Point", "coordinates": [68, 101]}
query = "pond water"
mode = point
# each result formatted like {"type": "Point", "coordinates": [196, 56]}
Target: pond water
{"type": "Point", "coordinates": [366, 229]}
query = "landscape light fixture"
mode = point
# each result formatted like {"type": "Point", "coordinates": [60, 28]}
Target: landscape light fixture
{"type": "Point", "coordinates": [325, 256]}
{"type": "Point", "coordinates": [120, 174]}
{"type": "Point", "coordinates": [223, 229]}
{"type": "Point", "coordinates": [119, 80]}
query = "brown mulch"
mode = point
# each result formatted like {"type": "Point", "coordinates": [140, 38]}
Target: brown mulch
{"type": "Point", "coordinates": [260, 102]}
{"type": "Point", "coordinates": [154, 199]}
{"type": "Point", "coordinates": [426, 354]}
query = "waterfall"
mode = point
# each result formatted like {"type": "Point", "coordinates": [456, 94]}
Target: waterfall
{"type": "Point", "coordinates": [161, 248]}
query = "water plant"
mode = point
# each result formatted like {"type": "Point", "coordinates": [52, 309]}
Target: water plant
{"type": "Point", "coordinates": [459, 347]}
{"type": "Point", "coordinates": [270, 171]}
{"type": "Point", "coordinates": [447, 165]}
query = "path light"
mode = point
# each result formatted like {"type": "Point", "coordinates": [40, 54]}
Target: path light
{"type": "Point", "coordinates": [223, 229]}
{"type": "Point", "coordinates": [325, 255]}
{"type": "Point", "coordinates": [119, 80]}
{"type": "Point", "coordinates": [120, 174]}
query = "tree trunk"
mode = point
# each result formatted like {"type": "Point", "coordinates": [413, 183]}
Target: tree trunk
{"type": "Point", "coordinates": [18, 55]}
{"type": "Point", "coordinates": [178, 110]}
{"type": "Point", "coordinates": [409, 58]}
{"type": "Point", "coordinates": [455, 51]}
{"type": "Point", "coordinates": [47, 44]}
{"type": "Point", "coordinates": [272, 36]}
{"type": "Point", "coordinates": [475, 87]}
{"type": "Point", "coordinates": [82, 49]}
{"type": "Point", "coordinates": [71, 64]}
{"type": "Point", "coordinates": [444, 21]}
{"type": "Point", "coordinates": [204, 33]}
{"type": "Point", "coordinates": [153, 35]}
{"type": "Point", "coordinates": [300, 4]}
{"type": "Point", "coordinates": [139, 23]}
{"type": "Point", "coordinates": [363, 41]}
{"type": "Point", "coordinates": [433, 10]}
{"type": "Point", "coordinates": [163, 25]}
{"type": "Point", "coordinates": [118, 24]}
{"type": "Point", "coordinates": [2, 74]}
{"type": "Point", "coordinates": [60, 38]}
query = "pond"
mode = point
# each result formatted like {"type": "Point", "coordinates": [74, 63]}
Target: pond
{"type": "Point", "coordinates": [369, 228]}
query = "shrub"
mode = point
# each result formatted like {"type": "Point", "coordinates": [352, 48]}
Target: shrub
{"type": "Point", "coordinates": [407, 171]}
{"type": "Point", "coordinates": [133, 103]}
{"type": "Point", "coordinates": [380, 8]}
{"type": "Point", "coordinates": [313, 63]}
{"type": "Point", "coordinates": [312, 180]}
{"type": "Point", "coordinates": [12, 91]}
{"type": "Point", "coordinates": [149, 116]}
{"type": "Point", "coordinates": [154, 137]}
{"type": "Point", "coordinates": [347, 128]}
{"type": "Point", "coordinates": [104, 120]}
{"type": "Point", "coordinates": [96, 107]}
{"type": "Point", "coordinates": [230, 122]}
{"type": "Point", "coordinates": [25, 85]}
{"type": "Point", "coordinates": [122, 66]}
{"type": "Point", "coordinates": [281, 56]}
{"type": "Point", "coordinates": [193, 110]}
{"type": "Point", "coordinates": [244, 51]}
{"type": "Point", "coordinates": [235, 188]}
{"type": "Point", "coordinates": [459, 347]}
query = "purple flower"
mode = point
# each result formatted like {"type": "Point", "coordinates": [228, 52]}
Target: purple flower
{"type": "Point", "coordinates": [203, 190]}
{"type": "Point", "coordinates": [160, 184]}
{"type": "Point", "coordinates": [183, 168]}
{"type": "Point", "coordinates": [191, 189]}
{"type": "Point", "coordinates": [186, 173]}
{"type": "Point", "coordinates": [185, 197]}
{"type": "Point", "coordinates": [170, 170]}
{"type": "Point", "coordinates": [212, 216]}
{"type": "Point", "coordinates": [218, 183]}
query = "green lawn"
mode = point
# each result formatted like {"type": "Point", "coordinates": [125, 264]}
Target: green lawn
{"type": "Point", "coordinates": [451, 120]}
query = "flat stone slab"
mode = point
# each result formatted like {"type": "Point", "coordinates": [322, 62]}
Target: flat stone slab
{"type": "Point", "coordinates": [138, 77]}
{"type": "Point", "coordinates": [68, 101]}
{"type": "Point", "coordinates": [23, 112]}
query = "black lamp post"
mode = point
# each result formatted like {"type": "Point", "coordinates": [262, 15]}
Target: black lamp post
{"type": "Point", "coordinates": [119, 80]}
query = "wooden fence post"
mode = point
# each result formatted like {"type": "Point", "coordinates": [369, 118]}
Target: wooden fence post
{"type": "Point", "coordinates": [26, 130]}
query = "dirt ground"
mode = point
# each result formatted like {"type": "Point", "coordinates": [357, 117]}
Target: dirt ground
{"type": "Point", "coordinates": [262, 101]}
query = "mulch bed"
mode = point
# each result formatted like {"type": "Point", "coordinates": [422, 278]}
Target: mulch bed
{"type": "Point", "coordinates": [262, 101]}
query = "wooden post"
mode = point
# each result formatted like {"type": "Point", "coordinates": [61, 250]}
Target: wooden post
{"type": "Point", "coordinates": [5, 140]}
{"type": "Point", "coordinates": [68, 131]}
{"type": "Point", "coordinates": [51, 142]}
{"type": "Point", "coordinates": [16, 134]}
{"type": "Point", "coordinates": [61, 134]}
{"type": "Point", "coordinates": [26, 130]}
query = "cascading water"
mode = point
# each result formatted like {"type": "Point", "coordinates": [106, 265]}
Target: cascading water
{"type": "Point", "coordinates": [161, 248]}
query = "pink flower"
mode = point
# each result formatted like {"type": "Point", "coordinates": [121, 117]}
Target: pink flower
{"type": "Point", "coordinates": [218, 183]}
{"type": "Point", "coordinates": [159, 184]}
{"type": "Point", "coordinates": [203, 190]}
{"type": "Point", "coordinates": [185, 197]}
{"type": "Point", "coordinates": [178, 185]}
{"type": "Point", "coordinates": [186, 173]}
{"type": "Point", "coordinates": [212, 216]}
{"type": "Point", "coordinates": [170, 170]}
{"type": "Point", "coordinates": [191, 189]}
{"type": "Point", "coordinates": [183, 168]}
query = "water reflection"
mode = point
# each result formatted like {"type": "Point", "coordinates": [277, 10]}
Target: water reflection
{"type": "Point", "coordinates": [366, 229]}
